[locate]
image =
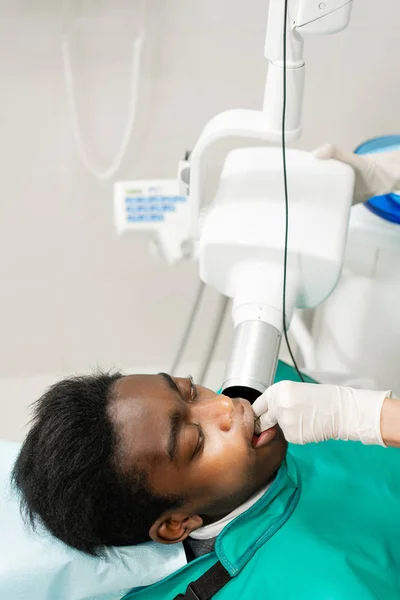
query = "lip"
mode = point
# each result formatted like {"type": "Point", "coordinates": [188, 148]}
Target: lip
{"type": "Point", "coordinates": [247, 419]}
{"type": "Point", "coordinates": [265, 437]}
{"type": "Point", "coordinates": [255, 441]}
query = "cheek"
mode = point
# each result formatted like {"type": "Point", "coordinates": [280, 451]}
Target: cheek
{"type": "Point", "coordinates": [227, 463]}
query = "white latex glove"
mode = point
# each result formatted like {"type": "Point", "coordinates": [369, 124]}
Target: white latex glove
{"type": "Point", "coordinates": [313, 413]}
{"type": "Point", "coordinates": [376, 174]}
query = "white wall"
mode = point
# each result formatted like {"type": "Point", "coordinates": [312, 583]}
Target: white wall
{"type": "Point", "coordinates": [72, 294]}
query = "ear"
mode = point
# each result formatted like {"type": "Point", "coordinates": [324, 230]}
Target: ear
{"type": "Point", "coordinates": [174, 528]}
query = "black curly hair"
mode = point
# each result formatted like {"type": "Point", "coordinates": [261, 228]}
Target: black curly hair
{"type": "Point", "coordinates": [68, 475]}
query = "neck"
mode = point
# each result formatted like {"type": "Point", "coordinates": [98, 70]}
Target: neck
{"type": "Point", "coordinates": [234, 507]}
{"type": "Point", "coordinates": [218, 512]}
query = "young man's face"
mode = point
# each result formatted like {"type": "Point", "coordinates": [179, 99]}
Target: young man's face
{"type": "Point", "coordinates": [194, 443]}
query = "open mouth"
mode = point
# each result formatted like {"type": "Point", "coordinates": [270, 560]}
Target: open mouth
{"type": "Point", "coordinates": [264, 438]}
{"type": "Point", "coordinates": [257, 441]}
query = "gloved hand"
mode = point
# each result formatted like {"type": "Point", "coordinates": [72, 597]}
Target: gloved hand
{"type": "Point", "coordinates": [376, 174]}
{"type": "Point", "coordinates": [314, 413]}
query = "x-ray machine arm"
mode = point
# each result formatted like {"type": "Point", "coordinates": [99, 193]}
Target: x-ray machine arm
{"type": "Point", "coordinates": [237, 204]}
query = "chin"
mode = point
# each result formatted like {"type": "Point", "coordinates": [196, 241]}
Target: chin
{"type": "Point", "coordinates": [280, 444]}
{"type": "Point", "coordinates": [280, 438]}
{"type": "Point", "coordinates": [275, 454]}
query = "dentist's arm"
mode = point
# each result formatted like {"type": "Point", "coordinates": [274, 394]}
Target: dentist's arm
{"type": "Point", "coordinates": [390, 422]}
{"type": "Point", "coordinates": [314, 413]}
{"type": "Point", "coordinates": [376, 174]}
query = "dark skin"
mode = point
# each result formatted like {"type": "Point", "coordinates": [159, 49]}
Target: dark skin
{"type": "Point", "coordinates": [210, 460]}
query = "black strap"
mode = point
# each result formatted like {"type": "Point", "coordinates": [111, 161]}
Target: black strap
{"type": "Point", "coordinates": [188, 551]}
{"type": "Point", "coordinates": [207, 585]}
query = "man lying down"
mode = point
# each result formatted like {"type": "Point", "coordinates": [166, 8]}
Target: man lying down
{"type": "Point", "coordinates": [119, 460]}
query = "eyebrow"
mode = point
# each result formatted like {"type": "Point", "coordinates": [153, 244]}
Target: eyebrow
{"type": "Point", "coordinates": [175, 422]}
{"type": "Point", "coordinates": [175, 419]}
{"type": "Point", "coordinates": [171, 383]}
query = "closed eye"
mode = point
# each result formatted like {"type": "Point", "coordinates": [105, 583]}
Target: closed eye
{"type": "Point", "coordinates": [200, 442]}
{"type": "Point", "coordinates": [193, 390]}
{"type": "Point", "coordinates": [194, 395]}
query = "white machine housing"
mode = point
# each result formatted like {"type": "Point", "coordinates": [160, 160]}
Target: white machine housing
{"type": "Point", "coordinates": [238, 218]}
{"type": "Point", "coordinates": [241, 245]}
{"type": "Point", "coordinates": [241, 250]}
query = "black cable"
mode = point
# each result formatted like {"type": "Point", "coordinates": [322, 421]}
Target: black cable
{"type": "Point", "coordinates": [286, 192]}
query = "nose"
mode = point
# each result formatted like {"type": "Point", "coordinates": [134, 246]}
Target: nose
{"type": "Point", "coordinates": [217, 410]}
